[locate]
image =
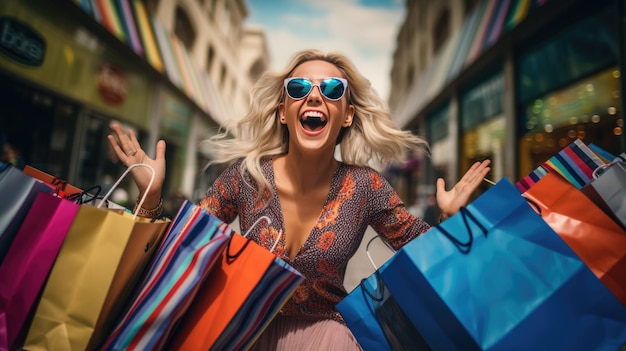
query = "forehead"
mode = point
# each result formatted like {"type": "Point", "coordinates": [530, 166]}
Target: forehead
{"type": "Point", "coordinates": [317, 70]}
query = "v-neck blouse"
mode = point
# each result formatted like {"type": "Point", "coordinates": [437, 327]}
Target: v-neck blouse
{"type": "Point", "coordinates": [359, 197]}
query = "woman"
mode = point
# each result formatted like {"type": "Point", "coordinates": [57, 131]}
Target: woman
{"type": "Point", "coordinates": [284, 167]}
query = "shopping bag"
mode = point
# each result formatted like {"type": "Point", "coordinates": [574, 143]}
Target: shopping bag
{"type": "Point", "coordinates": [608, 190]}
{"type": "Point", "coordinates": [598, 241]}
{"type": "Point", "coordinates": [375, 318]}
{"type": "Point", "coordinates": [61, 187]}
{"type": "Point", "coordinates": [143, 242]}
{"type": "Point", "coordinates": [28, 262]}
{"type": "Point", "coordinates": [604, 155]}
{"type": "Point", "coordinates": [81, 278]}
{"type": "Point", "coordinates": [191, 247]}
{"type": "Point", "coordinates": [238, 299]}
{"type": "Point", "coordinates": [575, 162]}
{"type": "Point", "coordinates": [18, 193]}
{"type": "Point", "coordinates": [495, 276]}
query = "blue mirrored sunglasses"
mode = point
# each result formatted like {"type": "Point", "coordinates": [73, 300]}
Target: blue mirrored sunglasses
{"type": "Point", "coordinates": [331, 88]}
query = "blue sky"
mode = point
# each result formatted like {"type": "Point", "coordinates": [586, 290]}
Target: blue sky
{"type": "Point", "coordinates": [363, 30]}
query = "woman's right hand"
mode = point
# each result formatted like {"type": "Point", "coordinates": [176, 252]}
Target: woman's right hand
{"type": "Point", "coordinates": [129, 152]}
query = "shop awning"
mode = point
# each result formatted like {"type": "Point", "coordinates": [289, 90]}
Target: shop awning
{"type": "Point", "coordinates": [129, 21]}
{"type": "Point", "coordinates": [481, 30]}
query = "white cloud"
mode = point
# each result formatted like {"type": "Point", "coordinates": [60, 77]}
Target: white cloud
{"type": "Point", "coordinates": [366, 35]}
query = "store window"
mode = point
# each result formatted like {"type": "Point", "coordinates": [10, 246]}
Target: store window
{"type": "Point", "coordinates": [583, 49]}
{"type": "Point", "coordinates": [483, 125]}
{"type": "Point", "coordinates": [569, 88]}
{"type": "Point", "coordinates": [175, 121]}
{"type": "Point", "coordinates": [441, 146]}
{"type": "Point", "coordinates": [97, 163]}
{"type": "Point", "coordinates": [36, 128]}
{"type": "Point", "coordinates": [588, 109]}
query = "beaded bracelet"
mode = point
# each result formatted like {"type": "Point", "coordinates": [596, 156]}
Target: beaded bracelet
{"type": "Point", "coordinates": [155, 212]}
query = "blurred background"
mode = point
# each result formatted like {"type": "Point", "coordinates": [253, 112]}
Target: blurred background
{"type": "Point", "coordinates": [509, 80]}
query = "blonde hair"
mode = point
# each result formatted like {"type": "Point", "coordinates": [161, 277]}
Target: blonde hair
{"type": "Point", "coordinates": [372, 137]}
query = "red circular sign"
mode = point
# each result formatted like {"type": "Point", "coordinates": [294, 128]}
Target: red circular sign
{"type": "Point", "coordinates": [112, 83]}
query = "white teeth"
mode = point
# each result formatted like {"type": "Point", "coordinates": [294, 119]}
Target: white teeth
{"type": "Point", "coordinates": [313, 114]}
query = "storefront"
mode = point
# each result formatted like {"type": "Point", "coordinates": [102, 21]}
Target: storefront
{"type": "Point", "coordinates": [569, 87]}
{"type": "Point", "coordinates": [65, 78]}
{"type": "Point", "coordinates": [517, 83]}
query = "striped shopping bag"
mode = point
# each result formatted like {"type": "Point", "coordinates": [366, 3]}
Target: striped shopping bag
{"type": "Point", "coordinates": [192, 247]}
{"type": "Point", "coordinates": [575, 162]}
{"type": "Point", "coordinates": [238, 299]}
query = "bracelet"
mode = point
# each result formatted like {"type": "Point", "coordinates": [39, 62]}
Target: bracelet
{"type": "Point", "coordinates": [153, 213]}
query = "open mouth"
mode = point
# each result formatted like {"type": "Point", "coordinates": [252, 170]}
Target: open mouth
{"type": "Point", "coordinates": [313, 121]}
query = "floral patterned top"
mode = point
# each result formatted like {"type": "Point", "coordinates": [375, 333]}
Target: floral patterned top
{"type": "Point", "coordinates": [359, 197]}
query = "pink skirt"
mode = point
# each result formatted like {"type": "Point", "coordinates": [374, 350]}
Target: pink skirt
{"type": "Point", "coordinates": [296, 333]}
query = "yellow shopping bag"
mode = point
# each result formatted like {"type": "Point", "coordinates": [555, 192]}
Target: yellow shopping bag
{"type": "Point", "coordinates": [95, 261]}
{"type": "Point", "coordinates": [142, 245]}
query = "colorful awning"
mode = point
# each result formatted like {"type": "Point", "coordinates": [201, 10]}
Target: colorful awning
{"type": "Point", "coordinates": [481, 30]}
{"type": "Point", "coordinates": [129, 21]}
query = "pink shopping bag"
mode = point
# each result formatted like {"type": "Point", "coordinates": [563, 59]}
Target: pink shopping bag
{"type": "Point", "coordinates": [28, 262]}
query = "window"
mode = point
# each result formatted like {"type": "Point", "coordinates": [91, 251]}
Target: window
{"type": "Point", "coordinates": [256, 70]}
{"type": "Point", "coordinates": [210, 56]}
{"type": "Point", "coordinates": [441, 31]}
{"type": "Point", "coordinates": [223, 77]}
{"type": "Point", "coordinates": [470, 5]}
{"type": "Point", "coordinates": [183, 28]}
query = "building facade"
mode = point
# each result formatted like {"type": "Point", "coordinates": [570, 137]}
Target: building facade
{"type": "Point", "coordinates": [510, 80]}
{"type": "Point", "coordinates": [171, 69]}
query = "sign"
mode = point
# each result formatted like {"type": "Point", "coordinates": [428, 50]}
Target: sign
{"type": "Point", "coordinates": [112, 83]}
{"type": "Point", "coordinates": [20, 42]}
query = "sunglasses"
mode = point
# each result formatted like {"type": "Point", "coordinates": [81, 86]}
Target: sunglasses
{"type": "Point", "coordinates": [332, 88]}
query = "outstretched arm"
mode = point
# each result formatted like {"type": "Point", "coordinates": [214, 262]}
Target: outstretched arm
{"type": "Point", "coordinates": [129, 152]}
{"type": "Point", "coordinates": [450, 202]}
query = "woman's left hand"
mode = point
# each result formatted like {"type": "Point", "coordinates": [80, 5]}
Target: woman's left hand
{"type": "Point", "coordinates": [450, 202]}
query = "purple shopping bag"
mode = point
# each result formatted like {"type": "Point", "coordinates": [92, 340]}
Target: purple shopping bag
{"type": "Point", "coordinates": [28, 262]}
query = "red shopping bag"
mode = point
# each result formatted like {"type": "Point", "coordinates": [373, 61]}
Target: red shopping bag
{"type": "Point", "coordinates": [28, 262]}
{"type": "Point", "coordinates": [597, 240]}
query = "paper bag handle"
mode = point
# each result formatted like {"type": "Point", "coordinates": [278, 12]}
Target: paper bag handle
{"type": "Point", "coordinates": [605, 166]}
{"type": "Point", "coordinates": [245, 235]}
{"type": "Point", "coordinates": [464, 247]}
{"type": "Point", "coordinates": [119, 180]}
{"type": "Point", "coordinates": [367, 249]}
{"type": "Point", "coordinates": [371, 294]}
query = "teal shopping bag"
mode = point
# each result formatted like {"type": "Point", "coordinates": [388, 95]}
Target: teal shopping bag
{"type": "Point", "coordinates": [495, 276]}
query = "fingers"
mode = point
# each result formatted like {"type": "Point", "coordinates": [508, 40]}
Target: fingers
{"type": "Point", "coordinates": [477, 172]}
{"type": "Point", "coordinates": [126, 142]}
{"type": "Point", "coordinates": [160, 150]}
{"type": "Point", "coordinates": [441, 185]}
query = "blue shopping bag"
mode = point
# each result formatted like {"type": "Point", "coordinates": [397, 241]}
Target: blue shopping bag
{"type": "Point", "coordinates": [496, 277]}
{"type": "Point", "coordinates": [375, 318]}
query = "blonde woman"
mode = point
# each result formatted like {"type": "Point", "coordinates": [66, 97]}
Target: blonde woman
{"type": "Point", "coordinates": [283, 165]}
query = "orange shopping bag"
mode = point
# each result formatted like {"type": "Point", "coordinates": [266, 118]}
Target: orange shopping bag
{"type": "Point", "coordinates": [597, 240]}
{"type": "Point", "coordinates": [238, 299]}
{"type": "Point", "coordinates": [62, 187]}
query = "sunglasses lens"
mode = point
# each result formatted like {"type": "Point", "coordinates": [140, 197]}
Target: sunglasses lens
{"type": "Point", "coordinates": [332, 88]}
{"type": "Point", "coordinates": [298, 88]}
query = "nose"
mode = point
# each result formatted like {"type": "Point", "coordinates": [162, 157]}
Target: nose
{"type": "Point", "coordinates": [315, 94]}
